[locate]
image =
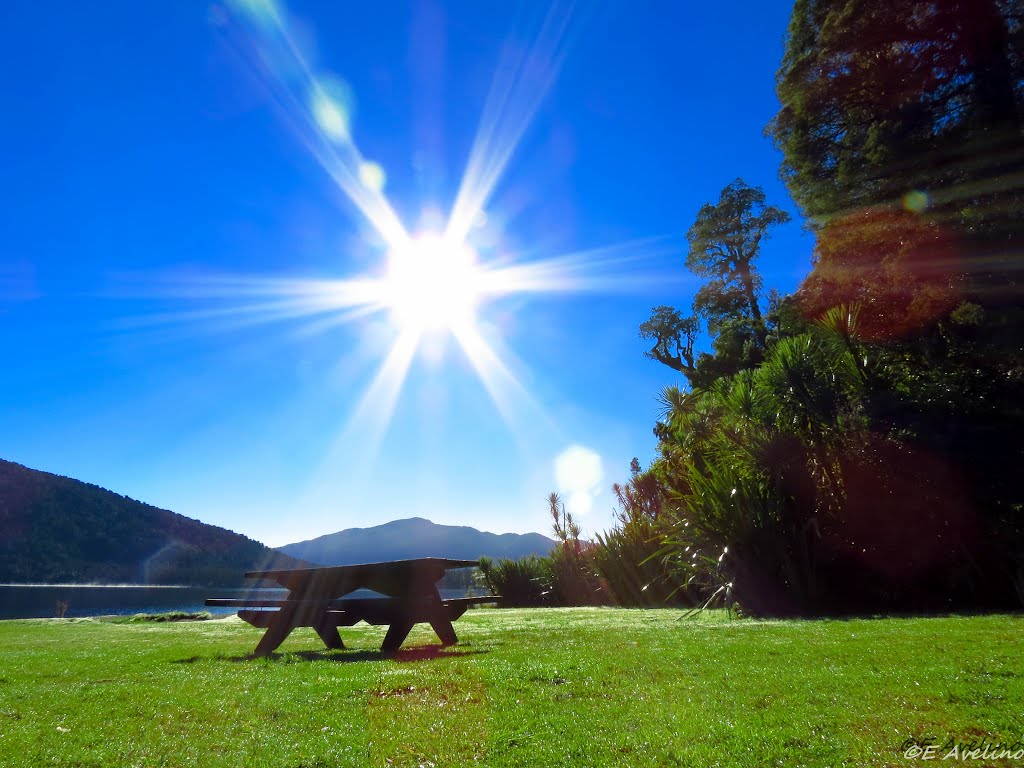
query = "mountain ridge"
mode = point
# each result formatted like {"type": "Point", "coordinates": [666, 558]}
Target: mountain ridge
{"type": "Point", "coordinates": [59, 529]}
{"type": "Point", "coordinates": [414, 537]}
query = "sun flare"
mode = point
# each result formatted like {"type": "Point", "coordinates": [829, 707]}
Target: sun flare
{"type": "Point", "coordinates": [429, 284]}
{"type": "Point", "coordinates": [433, 284]}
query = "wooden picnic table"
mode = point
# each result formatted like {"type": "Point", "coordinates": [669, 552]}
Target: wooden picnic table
{"type": "Point", "coordinates": [317, 598]}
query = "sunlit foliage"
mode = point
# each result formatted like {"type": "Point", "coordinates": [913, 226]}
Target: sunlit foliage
{"type": "Point", "coordinates": [856, 447]}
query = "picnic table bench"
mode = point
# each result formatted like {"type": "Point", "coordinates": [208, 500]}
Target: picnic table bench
{"type": "Point", "coordinates": [319, 598]}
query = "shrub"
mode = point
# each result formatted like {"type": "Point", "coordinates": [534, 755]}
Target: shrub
{"type": "Point", "coordinates": [521, 583]}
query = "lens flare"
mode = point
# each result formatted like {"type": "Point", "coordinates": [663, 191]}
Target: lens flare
{"type": "Point", "coordinates": [318, 105]}
{"type": "Point", "coordinates": [579, 474]}
{"type": "Point", "coordinates": [331, 103]}
{"type": "Point", "coordinates": [263, 12]}
{"type": "Point", "coordinates": [916, 201]}
{"type": "Point", "coordinates": [372, 176]}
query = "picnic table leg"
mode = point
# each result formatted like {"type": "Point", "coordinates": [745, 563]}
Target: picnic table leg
{"type": "Point", "coordinates": [397, 632]}
{"type": "Point", "coordinates": [444, 629]}
{"type": "Point", "coordinates": [440, 619]}
{"type": "Point", "coordinates": [279, 628]}
{"type": "Point", "coordinates": [327, 628]}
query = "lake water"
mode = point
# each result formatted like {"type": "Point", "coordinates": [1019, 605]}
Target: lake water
{"type": "Point", "coordinates": [30, 601]}
{"type": "Point", "coordinates": [40, 601]}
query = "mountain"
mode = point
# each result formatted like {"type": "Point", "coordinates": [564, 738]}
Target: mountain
{"type": "Point", "coordinates": [55, 529]}
{"type": "Point", "coordinates": [416, 537]}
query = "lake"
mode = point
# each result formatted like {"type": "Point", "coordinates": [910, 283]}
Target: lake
{"type": "Point", "coordinates": [32, 601]}
{"type": "Point", "coordinates": [39, 601]}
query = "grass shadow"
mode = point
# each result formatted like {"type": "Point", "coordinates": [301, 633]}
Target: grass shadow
{"type": "Point", "coordinates": [920, 614]}
{"type": "Point", "coordinates": [333, 655]}
{"type": "Point", "coordinates": [419, 653]}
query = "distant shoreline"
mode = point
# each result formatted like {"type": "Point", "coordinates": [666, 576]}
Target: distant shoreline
{"type": "Point", "coordinates": [106, 586]}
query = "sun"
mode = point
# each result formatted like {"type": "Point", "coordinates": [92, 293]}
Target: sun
{"type": "Point", "coordinates": [432, 284]}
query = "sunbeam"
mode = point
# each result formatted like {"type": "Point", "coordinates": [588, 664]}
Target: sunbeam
{"type": "Point", "coordinates": [619, 268]}
{"type": "Point", "coordinates": [267, 300]}
{"type": "Point", "coordinates": [349, 459]}
{"type": "Point", "coordinates": [319, 107]}
{"type": "Point", "coordinates": [360, 438]}
{"type": "Point", "coordinates": [521, 81]}
{"type": "Point", "coordinates": [513, 402]}
{"type": "Point", "coordinates": [429, 285]}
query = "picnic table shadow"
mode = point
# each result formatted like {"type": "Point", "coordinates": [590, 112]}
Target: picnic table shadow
{"type": "Point", "coordinates": [417, 654]}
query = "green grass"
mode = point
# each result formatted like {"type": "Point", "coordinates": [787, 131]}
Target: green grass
{"type": "Point", "coordinates": [531, 687]}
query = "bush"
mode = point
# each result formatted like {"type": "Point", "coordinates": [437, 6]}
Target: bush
{"type": "Point", "coordinates": [521, 583]}
{"type": "Point", "coordinates": [633, 574]}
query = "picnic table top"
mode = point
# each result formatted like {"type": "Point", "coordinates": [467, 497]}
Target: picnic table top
{"type": "Point", "coordinates": [416, 562]}
{"type": "Point", "coordinates": [395, 577]}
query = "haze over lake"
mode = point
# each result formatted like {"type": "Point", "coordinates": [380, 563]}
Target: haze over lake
{"type": "Point", "coordinates": [39, 601]}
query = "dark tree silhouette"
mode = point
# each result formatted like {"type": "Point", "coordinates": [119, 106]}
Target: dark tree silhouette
{"type": "Point", "coordinates": [673, 336]}
{"type": "Point", "coordinates": [914, 104]}
{"type": "Point", "coordinates": [725, 241]}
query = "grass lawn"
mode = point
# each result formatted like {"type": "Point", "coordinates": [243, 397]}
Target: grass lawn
{"type": "Point", "coordinates": [588, 687]}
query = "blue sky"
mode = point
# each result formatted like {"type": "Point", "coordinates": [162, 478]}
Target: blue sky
{"type": "Point", "coordinates": [178, 202]}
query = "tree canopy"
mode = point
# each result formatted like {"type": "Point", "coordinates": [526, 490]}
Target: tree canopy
{"type": "Point", "coordinates": [724, 243]}
{"type": "Point", "coordinates": [881, 99]}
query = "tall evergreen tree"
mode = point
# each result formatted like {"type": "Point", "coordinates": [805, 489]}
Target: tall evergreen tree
{"type": "Point", "coordinates": [725, 241]}
{"type": "Point", "coordinates": [879, 98]}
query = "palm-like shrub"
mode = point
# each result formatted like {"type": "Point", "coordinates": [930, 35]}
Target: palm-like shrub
{"type": "Point", "coordinates": [573, 578]}
{"type": "Point", "coordinates": [756, 467]}
{"type": "Point", "coordinates": [627, 560]}
{"type": "Point", "coordinates": [521, 583]}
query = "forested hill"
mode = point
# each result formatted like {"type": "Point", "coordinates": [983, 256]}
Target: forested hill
{"type": "Point", "coordinates": [416, 537]}
{"type": "Point", "coordinates": [55, 529]}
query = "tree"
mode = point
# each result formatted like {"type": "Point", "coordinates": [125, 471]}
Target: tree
{"type": "Point", "coordinates": [902, 130]}
{"type": "Point", "coordinates": [565, 528]}
{"type": "Point", "coordinates": [725, 241]}
{"type": "Point", "coordinates": [573, 578]}
{"type": "Point", "coordinates": [914, 104]}
{"type": "Point", "coordinates": [901, 270]}
{"type": "Point", "coordinates": [674, 337]}
{"type": "Point", "coordinates": [851, 447]}
{"type": "Point", "coordinates": [626, 557]}
{"type": "Point", "coordinates": [786, 491]}
{"type": "Point", "coordinates": [640, 497]}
